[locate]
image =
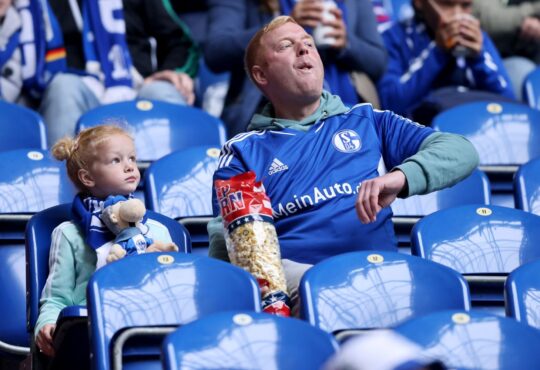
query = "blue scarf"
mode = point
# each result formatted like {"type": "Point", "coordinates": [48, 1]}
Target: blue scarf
{"type": "Point", "coordinates": [87, 215]}
{"type": "Point", "coordinates": [105, 47]}
{"type": "Point", "coordinates": [9, 49]}
{"type": "Point", "coordinates": [107, 59]}
{"type": "Point", "coordinates": [336, 80]}
{"type": "Point", "coordinates": [42, 46]}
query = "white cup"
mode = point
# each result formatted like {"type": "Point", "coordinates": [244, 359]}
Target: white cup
{"type": "Point", "coordinates": [321, 30]}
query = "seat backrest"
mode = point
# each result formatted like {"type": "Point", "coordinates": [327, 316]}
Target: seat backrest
{"type": "Point", "coordinates": [157, 289]}
{"type": "Point", "coordinates": [38, 243]}
{"type": "Point", "coordinates": [502, 133]}
{"type": "Point", "coordinates": [531, 89]}
{"type": "Point", "coordinates": [474, 189]}
{"type": "Point", "coordinates": [374, 289]}
{"type": "Point", "coordinates": [474, 340]}
{"type": "Point", "coordinates": [522, 294]}
{"type": "Point", "coordinates": [159, 128]}
{"type": "Point", "coordinates": [527, 187]}
{"type": "Point", "coordinates": [21, 128]}
{"type": "Point", "coordinates": [31, 181]}
{"type": "Point", "coordinates": [247, 340]}
{"type": "Point", "coordinates": [180, 184]}
{"type": "Point", "coordinates": [477, 239]}
{"type": "Point", "coordinates": [13, 336]}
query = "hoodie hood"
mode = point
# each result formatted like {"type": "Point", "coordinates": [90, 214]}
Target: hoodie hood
{"type": "Point", "coordinates": [331, 105]}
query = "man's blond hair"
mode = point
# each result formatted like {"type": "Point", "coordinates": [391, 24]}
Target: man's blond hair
{"type": "Point", "coordinates": [252, 51]}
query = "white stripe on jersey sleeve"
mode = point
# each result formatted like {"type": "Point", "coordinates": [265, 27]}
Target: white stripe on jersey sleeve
{"type": "Point", "coordinates": [227, 153]}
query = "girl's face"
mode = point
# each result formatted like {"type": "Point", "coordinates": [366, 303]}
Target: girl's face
{"type": "Point", "coordinates": [114, 169]}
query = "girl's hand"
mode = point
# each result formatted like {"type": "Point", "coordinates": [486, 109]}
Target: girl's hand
{"type": "Point", "coordinates": [44, 339]}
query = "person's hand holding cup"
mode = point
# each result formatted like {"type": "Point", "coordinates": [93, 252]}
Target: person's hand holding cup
{"type": "Point", "coordinates": [460, 35]}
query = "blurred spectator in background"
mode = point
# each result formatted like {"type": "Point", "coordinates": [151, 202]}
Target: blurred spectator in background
{"type": "Point", "coordinates": [356, 47]}
{"type": "Point", "coordinates": [10, 55]}
{"type": "Point", "coordinates": [514, 27]}
{"type": "Point", "coordinates": [441, 58]}
{"type": "Point", "coordinates": [382, 350]}
{"type": "Point", "coordinates": [382, 14]}
{"type": "Point", "coordinates": [157, 61]}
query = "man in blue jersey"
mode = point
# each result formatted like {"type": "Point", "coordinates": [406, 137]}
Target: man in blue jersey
{"type": "Point", "coordinates": [438, 59]}
{"type": "Point", "coordinates": [323, 165]}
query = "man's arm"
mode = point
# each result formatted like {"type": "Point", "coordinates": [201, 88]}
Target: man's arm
{"type": "Point", "coordinates": [365, 50]}
{"type": "Point", "coordinates": [230, 165]}
{"type": "Point", "coordinates": [489, 71]}
{"type": "Point", "coordinates": [408, 78]}
{"type": "Point", "coordinates": [498, 19]}
{"type": "Point", "coordinates": [442, 160]}
{"type": "Point", "coordinates": [227, 34]}
{"type": "Point", "coordinates": [216, 238]}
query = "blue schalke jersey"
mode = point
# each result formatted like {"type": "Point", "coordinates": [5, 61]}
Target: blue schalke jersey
{"type": "Point", "coordinates": [313, 177]}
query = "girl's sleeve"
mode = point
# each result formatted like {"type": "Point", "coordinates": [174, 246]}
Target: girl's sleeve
{"type": "Point", "coordinates": [58, 292]}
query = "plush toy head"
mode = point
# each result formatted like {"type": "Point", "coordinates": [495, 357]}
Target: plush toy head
{"type": "Point", "coordinates": [123, 214]}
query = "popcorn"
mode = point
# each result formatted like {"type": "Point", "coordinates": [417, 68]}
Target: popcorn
{"type": "Point", "coordinates": [251, 238]}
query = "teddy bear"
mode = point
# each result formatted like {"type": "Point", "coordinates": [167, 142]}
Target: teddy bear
{"type": "Point", "coordinates": [124, 218]}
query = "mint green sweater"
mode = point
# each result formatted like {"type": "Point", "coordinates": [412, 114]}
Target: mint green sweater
{"type": "Point", "coordinates": [71, 264]}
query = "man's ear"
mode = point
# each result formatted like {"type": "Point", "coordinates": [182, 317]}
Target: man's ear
{"type": "Point", "coordinates": [86, 178]}
{"type": "Point", "coordinates": [258, 75]}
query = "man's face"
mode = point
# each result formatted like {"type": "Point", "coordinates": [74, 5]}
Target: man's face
{"type": "Point", "coordinates": [436, 10]}
{"type": "Point", "coordinates": [289, 64]}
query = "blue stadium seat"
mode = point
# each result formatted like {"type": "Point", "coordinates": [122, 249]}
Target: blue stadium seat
{"type": "Point", "coordinates": [484, 243]}
{"type": "Point", "coordinates": [159, 127]}
{"type": "Point", "coordinates": [522, 294]}
{"type": "Point", "coordinates": [531, 86]}
{"type": "Point", "coordinates": [474, 340]}
{"type": "Point", "coordinates": [527, 187]}
{"type": "Point", "coordinates": [14, 341]}
{"type": "Point", "coordinates": [504, 134]}
{"type": "Point", "coordinates": [32, 180]}
{"type": "Point", "coordinates": [247, 340]}
{"type": "Point", "coordinates": [134, 302]}
{"type": "Point", "coordinates": [21, 128]}
{"type": "Point", "coordinates": [475, 189]}
{"type": "Point", "coordinates": [179, 185]}
{"type": "Point", "coordinates": [38, 242]}
{"type": "Point", "coordinates": [375, 289]}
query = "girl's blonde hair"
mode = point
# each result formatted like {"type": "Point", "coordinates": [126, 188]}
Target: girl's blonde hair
{"type": "Point", "coordinates": [81, 151]}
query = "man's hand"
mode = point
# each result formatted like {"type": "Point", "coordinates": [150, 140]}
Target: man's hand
{"type": "Point", "coordinates": [44, 339]}
{"type": "Point", "coordinates": [464, 30]}
{"type": "Point", "coordinates": [377, 193]}
{"type": "Point", "coordinates": [447, 33]}
{"type": "Point", "coordinates": [308, 13]}
{"type": "Point", "coordinates": [530, 29]}
{"type": "Point", "coordinates": [181, 81]}
{"type": "Point", "coordinates": [470, 34]}
{"type": "Point", "coordinates": [339, 30]}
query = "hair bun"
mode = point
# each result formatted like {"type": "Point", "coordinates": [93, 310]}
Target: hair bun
{"type": "Point", "coordinates": [64, 148]}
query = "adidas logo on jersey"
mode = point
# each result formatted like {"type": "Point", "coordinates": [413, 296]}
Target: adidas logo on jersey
{"type": "Point", "coordinates": [277, 166]}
